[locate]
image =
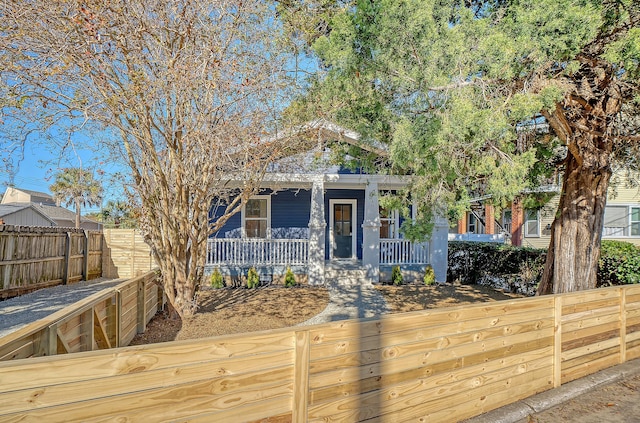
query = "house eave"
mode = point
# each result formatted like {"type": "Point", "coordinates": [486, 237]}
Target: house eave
{"type": "Point", "coordinates": [330, 180]}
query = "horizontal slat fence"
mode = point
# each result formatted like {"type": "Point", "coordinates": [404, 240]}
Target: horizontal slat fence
{"type": "Point", "coordinates": [439, 365]}
{"type": "Point", "coordinates": [107, 319]}
{"type": "Point", "coordinates": [125, 255]}
{"type": "Point", "coordinates": [36, 257]}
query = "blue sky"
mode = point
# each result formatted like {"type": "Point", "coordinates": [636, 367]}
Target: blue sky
{"type": "Point", "coordinates": [36, 171]}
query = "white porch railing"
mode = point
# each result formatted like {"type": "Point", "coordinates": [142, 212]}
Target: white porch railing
{"type": "Point", "coordinates": [401, 251]}
{"type": "Point", "coordinates": [257, 251]}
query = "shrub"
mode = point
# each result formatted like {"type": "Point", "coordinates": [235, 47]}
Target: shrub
{"type": "Point", "coordinates": [619, 263]}
{"type": "Point", "coordinates": [253, 279]}
{"type": "Point", "coordinates": [396, 276]}
{"type": "Point", "coordinates": [470, 261]}
{"type": "Point", "coordinates": [429, 276]}
{"type": "Point", "coordinates": [217, 281]}
{"type": "Point", "coordinates": [289, 278]}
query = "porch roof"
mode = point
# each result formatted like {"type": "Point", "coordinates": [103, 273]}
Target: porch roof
{"type": "Point", "coordinates": [333, 180]}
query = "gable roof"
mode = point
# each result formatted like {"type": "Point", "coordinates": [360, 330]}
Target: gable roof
{"type": "Point", "coordinates": [11, 208]}
{"type": "Point", "coordinates": [35, 193]}
{"type": "Point", "coordinates": [49, 212]}
{"type": "Point", "coordinates": [325, 130]}
{"type": "Point", "coordinates": [19, 195]}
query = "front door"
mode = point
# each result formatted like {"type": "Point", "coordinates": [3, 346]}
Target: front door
{"type": "Point", "coordinates": [342, 229]}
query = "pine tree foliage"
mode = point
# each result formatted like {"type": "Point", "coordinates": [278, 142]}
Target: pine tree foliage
{"type": "Point", "coordinates": [462, 92]}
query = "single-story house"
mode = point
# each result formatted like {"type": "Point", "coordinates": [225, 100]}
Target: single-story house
{"type": "Point", "coordinates": [325, 222]}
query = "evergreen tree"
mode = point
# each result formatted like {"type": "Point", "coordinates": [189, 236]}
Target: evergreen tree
{"type": "Point", "coordinates": [463, 91]}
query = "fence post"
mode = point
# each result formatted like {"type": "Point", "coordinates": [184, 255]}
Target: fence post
{"type": "Point", "coordinates": [67, 259]}
{"type": "Point", "coordinates": [85, 258]}
{"type": "Point", "coordinates": [8, 254]}
{"type": "Point", "coordinates": [557, 341]}
{"type": "Point", "coordinates": [301, 377]}
{"type": "Point", "coordinates": [52, 340]}
{"type": "Point", "coordinates": [623, 324]}
{"type": "Point", "coordinates": [142, 292]}
{"type": "Point", "coordinates": [118, 317]}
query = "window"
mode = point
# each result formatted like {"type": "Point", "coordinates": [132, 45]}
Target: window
{"type": "Point", "coordinates": [532, 223]}
{"type": "Point", "coordinates": [621, 221]}
{"type": "Point", "coordinates": [474, 224]}
{"type": "Point", "coordinates": [506, 220]}
{"type": "Point", "coordinates": [256, 217]}
{"type": "Point", "coordinates": [388, 223]}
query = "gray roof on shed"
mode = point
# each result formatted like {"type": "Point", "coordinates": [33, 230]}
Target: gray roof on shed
{"type": "Point", "coordinates": [11, 208]}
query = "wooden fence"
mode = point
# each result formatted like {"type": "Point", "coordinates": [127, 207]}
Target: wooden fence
{"type": "Point", "coordinates": [433, 365]}
{"type": "Point", "coordinates": [34, 257]}
{"type": "Point", "coordinates": [107, 319]}
{"type": "Point", "coordinates": [126, 255]}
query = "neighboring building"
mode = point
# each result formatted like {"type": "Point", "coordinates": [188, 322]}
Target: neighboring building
{"type": "Point", "coordinates": [532, 228]}
{"type": "Point", "coordinates": [19, 195]}
{"type": "Point", "coordinates": [322, 221]}
{"type": "Point", "coordinates": [23, 214]}
{"type": "Point", "coordinates": [22, 207]}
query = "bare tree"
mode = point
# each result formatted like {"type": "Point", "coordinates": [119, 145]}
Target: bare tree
{"type": "Point", "coordinates": [188, 89]}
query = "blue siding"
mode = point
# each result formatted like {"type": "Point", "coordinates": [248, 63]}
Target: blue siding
{"type": "Point", "coordinates": [289, 209]}
{"type": "Point", "coordinates": [347, 194]}
{"type": "Point", "coordinates": [234, 222]}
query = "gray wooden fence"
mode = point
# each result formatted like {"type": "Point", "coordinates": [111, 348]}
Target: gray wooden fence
{"type": "Point", "coordinates": [36, 257]}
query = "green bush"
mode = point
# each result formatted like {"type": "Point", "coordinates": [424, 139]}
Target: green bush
{"type": "Point", "coordinates": [253, 279]}
{"type": "Point", "coordinates": [619, 263]}
{"type": "Point", "coordinates": [289, 278]}
{"type": "Point", "coordinates": [396, 275]}
{"type": "Point", "coordinates": [217, 281]}
{"type": "Point", "coordinates": [429, 276]}
{"type": "Point", "coordinates": [468, 261]}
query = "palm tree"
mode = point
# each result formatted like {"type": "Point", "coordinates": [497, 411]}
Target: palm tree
{"type": "Point", "coordinates": [76, 186]}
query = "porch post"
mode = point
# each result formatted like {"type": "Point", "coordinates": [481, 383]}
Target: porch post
{"type": "Point", "coordinates": [371, 233]}
{"type": "Point", "coordinates": [438, 248]}
{"type": "Point", "coordinates": [317, 226]}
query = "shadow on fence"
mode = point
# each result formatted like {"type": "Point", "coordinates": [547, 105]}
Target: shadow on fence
{"type": "Point", "coordinates": [107, 319]}
{"type": "Point", "coordinates": [439, 365]}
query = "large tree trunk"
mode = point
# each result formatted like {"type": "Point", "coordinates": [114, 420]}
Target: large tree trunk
{"type": "Point", "coordinates": [574, 250]}
{"type": "Point", "coordinates": [584, 121]}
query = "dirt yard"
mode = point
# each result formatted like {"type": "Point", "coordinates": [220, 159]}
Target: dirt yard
{"type": "Point", "coordinates": [236, 310]}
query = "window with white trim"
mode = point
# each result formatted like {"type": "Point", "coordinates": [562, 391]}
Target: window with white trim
{"type": "Point", "coordinates": [532, 223]}
{"type": "Point", "coordinates": [621, 221]}
{"type": "Point", "coordinates": [389, 222]}
{"type": "Point", "coordinates": [256, 217]}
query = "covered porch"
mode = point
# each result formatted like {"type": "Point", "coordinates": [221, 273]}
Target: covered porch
{"type": "Point", "coordinates": [343, 229]}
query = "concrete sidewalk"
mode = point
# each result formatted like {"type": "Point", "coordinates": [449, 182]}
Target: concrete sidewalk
{"type": "Point", "coordinates": [350, 301]}
{"type": "Point", "coordinates": [586, 391]}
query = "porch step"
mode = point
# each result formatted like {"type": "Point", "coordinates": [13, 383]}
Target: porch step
{"type": "Point", "coordinates": [345, 277]}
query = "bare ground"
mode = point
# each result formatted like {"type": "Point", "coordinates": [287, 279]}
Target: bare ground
{"type": "Point", "coordinates": [237, 310]}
